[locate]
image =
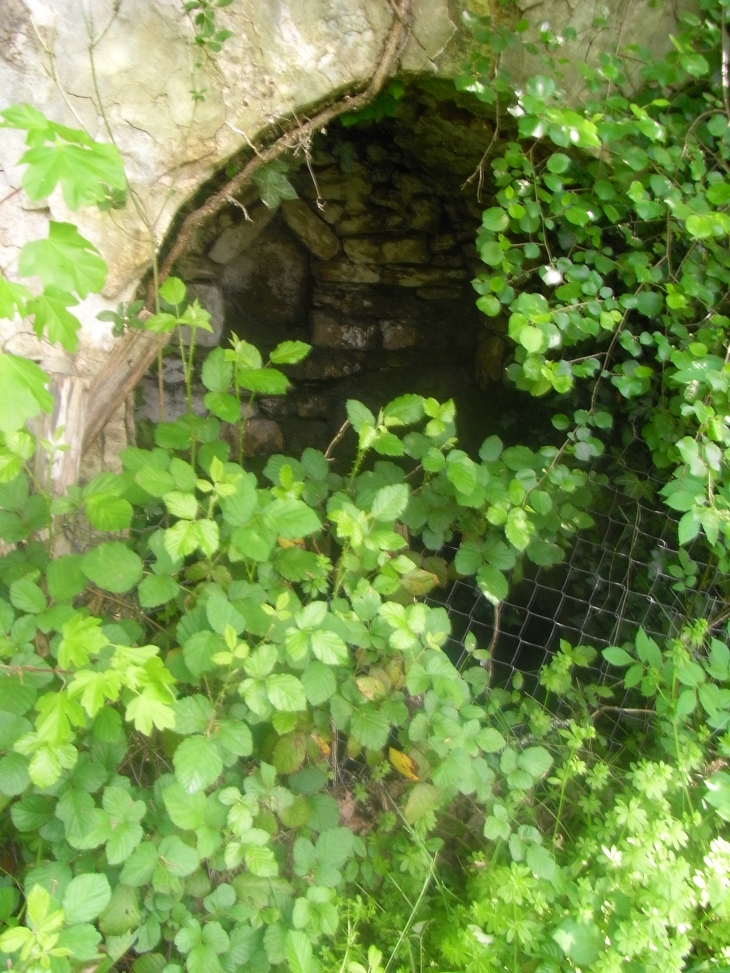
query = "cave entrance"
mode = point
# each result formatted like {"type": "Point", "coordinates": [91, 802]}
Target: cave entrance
{"type": "Point", "coordinates": [371, 263]}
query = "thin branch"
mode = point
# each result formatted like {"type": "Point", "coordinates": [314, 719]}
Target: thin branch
{"type": "Point", "coordinates": [725, 99]}
{"type": "Point", "coordinates": [479, 171]}
{"type": "Point", "coordinates": [340, 433]}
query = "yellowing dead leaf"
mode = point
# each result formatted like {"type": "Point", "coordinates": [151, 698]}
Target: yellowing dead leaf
{"type": "Point", "coordinates": [403, 764]}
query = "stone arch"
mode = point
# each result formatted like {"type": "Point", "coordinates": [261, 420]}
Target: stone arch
{"type": "Point", "coordinates": [283, 56]}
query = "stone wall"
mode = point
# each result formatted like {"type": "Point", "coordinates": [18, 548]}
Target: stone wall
{"type": "Point", "coordinates": [371, 264]}
{"type": "Point", "coordinates": [124, 69]}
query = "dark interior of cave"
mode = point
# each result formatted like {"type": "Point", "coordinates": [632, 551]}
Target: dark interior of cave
{"type": "Point", "coordinates": [371, 264]}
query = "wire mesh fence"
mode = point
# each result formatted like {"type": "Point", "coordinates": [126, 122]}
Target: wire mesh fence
{"type": "Point", "coordinates": [620, 574]}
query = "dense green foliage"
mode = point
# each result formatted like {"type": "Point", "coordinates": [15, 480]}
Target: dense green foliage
{"type": "Point", "coordinates": [230, 735]}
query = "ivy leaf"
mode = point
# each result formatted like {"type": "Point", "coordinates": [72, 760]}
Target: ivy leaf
{"type": "Point", "coordinates": [197, 763]}
{"type": "Point", "coordinates": [66, 261]}
{"type": "Point", "coordinates": [12, 298]}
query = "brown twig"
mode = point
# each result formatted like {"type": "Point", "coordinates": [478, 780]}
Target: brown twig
{"type": "Point", "coordinates": [479, 171]}
{"type": "Point", "coordinates": [338, 437]}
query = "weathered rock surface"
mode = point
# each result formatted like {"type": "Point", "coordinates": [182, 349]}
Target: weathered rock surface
{"type": "Point", "coordinates": [235, 239]}
{"type": "Point", "coordinates": [310, 229]}
{"type": "Point", "coordinates": [262, 437]}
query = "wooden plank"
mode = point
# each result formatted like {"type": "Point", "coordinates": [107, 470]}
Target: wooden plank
{"type": "Point", "coordinates": [123, 369]}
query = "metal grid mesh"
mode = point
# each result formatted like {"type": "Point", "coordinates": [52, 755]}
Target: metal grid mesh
{"type": "Point", "coordinates": [614, 580]}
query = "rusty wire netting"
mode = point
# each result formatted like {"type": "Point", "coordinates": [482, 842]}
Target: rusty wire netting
{"type": "Point", "coordinates": [615, 578]}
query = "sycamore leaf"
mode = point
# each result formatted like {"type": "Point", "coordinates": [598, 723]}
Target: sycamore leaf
{"type": "Point", "coordinates": [23, 392]}
{"type": "Point", "coordinates": [12, 298]}
{"type": "Point", "coordinates": [65, 260]}
{"type": "Point", "coordinates": [51, 315]}
{"type": "Point", "coordinates": [84, 171]}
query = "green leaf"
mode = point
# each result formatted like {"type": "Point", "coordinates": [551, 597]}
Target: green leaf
{"type": "Point", "coordinates": [82, 941]}
{"type": "Point", "coordinates": [718, 795]}
{"type": "Point", "coordinates": [390, 502]}
{"type": "Point", "coordinates": [107, 512]}
{"type": "Point", "coordinates": [461, 471]}
{"type": "Point", "coordinates": [581, 942]}
{"type": "Point", "coordinates": [290, 352]}
{"type": "Point", "coordinates": [217, 374]}
{"type": "Point", "coordinates": [140, 866]}
{"type": "Point", "coordinates": [221, 614]}
{"type": "Point", "coordinates": [222, 405]}
{"type": "Point", "coordinates": [540, 861]}
{"type": "Point", "coordinates": [261, 861]}
{"type": "Point", "coordinates": [197, 763]}
{"type": "Point", "coordinates": [83, 169]}
{"type": "Point", "coordinates": [370, 728]}
{"type": "Point", "coordinates": [359, 415]}
{"type": "Point", "coordinates": [51, 315]}
{"type": "Point", "coordinates": [286, 693]}
{"type": "Point", "coordinates": [404, 410]}
{"type": "Point", "coordinates": [85, 898]}
{"type": "Point", "coordinates": [617, 656]}
{"type": "Point", "coordinates": [113, 567]}
{"type": "Point", "coordinates": [183, 505]}
{"type": "Point", "coordinates": [329, 648]}
{"type": "Point", "coordinates": [422, 799]}
{"type": "Point", "coordinates": [319, 683]}
{"type": "Point", "coordinates": [490, 740]}
{"type": "Point", "coordinates": [64, 577]}
{"type": "Point", "coordinates": [291, 518]}
{"type": "Point", "coordinates": [186, 810]}
{"type": "Point", "coordinates": [495, 219]}
{"type": "Point", "coordinates": [14, 777]}
{"type": "Point", "coordinates": [156, 590]}
{"type": "Point", "coordinates": [176, 857]}
{"type": "Point", "coordinates": [535, 760]}
{"type": "Point", "coordinates": [199, 649]}
{"type": "Point", "coordinates": [299, 953]}
{"type": "Point", "coordinates": [173, 291]}
{"type": "Point", "coordinates": [264, 381]}
{"type": "Point", "coordinates": [65, 261]}
{"type": "Point", "coordinates": [649, 303]}
{"type": "Point", "coordinates": [492, 583]}
{"type": "Point", "coordinates": [26, 596]}
{"type": "Point", "coordinates": [23, 392]}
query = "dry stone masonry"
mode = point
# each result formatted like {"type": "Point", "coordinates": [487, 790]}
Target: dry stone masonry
{"type": "Point", "coordinates": [371, 264]}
